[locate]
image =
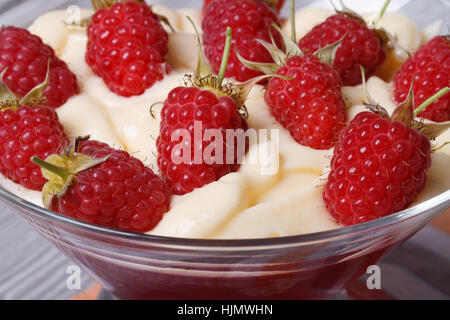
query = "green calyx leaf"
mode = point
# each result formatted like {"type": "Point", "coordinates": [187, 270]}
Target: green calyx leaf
{"type": "Point", "coordinates": [102, 4]}
{"type": "Point", "coordinates": [205, 79]}
{"type": "Point", "coordinates": [61, 171]}
{"type": "Point", "coordinates": [327, 54]}
{"type": "Point", "coordinates": [346, 11]}
{"type": "Point", "coordinates": [203, 69]}
{"type": "Point", "coordinates": [372, 105]}
{"type": "Point", "coordinates": [279, 57]}
{"type": "Point", "coordinates": [433, 130]}
{"type": "Point", "coordinates": [244, 88]}
{"type": "Point", "coordinates": [7, 98]}
{"type": "Point", "coordinates": [266, 68]}
{"type": "Point", "coordinates": [405, 111]}
{"type": "Point", "coordinates": [292, 49]}
{"type": "Point", "coordinates": [389, 42]}
{"type": "Point", "coordinates": [34, 96]}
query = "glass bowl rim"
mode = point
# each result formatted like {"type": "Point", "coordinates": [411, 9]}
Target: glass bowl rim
{"type": "Point", "coordinates": [323, 236]}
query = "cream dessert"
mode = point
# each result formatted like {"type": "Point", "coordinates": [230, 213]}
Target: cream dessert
{"type": "Point", "coordinates": [244, 204]}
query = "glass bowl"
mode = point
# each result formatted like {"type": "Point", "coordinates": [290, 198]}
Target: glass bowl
{"type": "Point", "coordinates": [138, 266]}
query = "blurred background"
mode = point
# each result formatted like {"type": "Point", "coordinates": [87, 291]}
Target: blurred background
{"type": "Point", "coordinates": [16, 9]}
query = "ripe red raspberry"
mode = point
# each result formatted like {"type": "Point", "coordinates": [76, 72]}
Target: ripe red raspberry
{"type": "Point", "coordinates": [378, 168]}
{"type": "Point", "coordinates": [431, 67]}
{"type": "Point", "coordinates": [26, 132]}
{"type": "Point", "coordinates": [26, 57]}
{"type": "Point", "coordinates": [182, 107]}
{"type": "Point", "coordinates": [249, 20]}
{"type": "Point", "coordinates": [278, 6]}
{"type": "Point", "coordinates": [127, 47]}
{"type": "Point", "coordinates": [120, 193]}
{"type": "Point", "coordinates": [310, 105]}
{"type": "Point", "coordinates": [360, 46]}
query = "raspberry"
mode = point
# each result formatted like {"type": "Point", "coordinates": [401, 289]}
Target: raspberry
{"type": "Point", "coordinates": [249, 20]}
{"type": "Point", "coordinates": [26, 57]}
{"type": "Point", "coordinates": [378, 168]}
{"type": "Point", "coordinates": [127, 48]}
{"type": "Point", "coordinates": [120, 193]}
{"type": "Point", "coordinates": [431, 67]}
{"type": "Point", "coordinates": [26, 132]}
{"type": "Point", "coordinates": [279, 4]}
{"type": "Point", "coordinates": [310, 105]}
{"type": "Point", "coordinates": [360, 46]}
{"type": "Point", "coordinates": [182, 107]}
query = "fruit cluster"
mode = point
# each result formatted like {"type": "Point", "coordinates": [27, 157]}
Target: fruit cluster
{"type": "Point", "coordinates": [380, 162]}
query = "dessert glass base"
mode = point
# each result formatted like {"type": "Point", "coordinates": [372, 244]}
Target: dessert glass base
{"type": "Point", "coordinates": [312, 266]}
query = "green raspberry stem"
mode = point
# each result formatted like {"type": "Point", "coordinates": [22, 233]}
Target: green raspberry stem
{"type": "Point", "coordinates": [430, 100]}
{"type": "Point", "coordinates": [62, 172]}
{"type": "Point", "coordinates": [225, 57]}
{"type": "Point", "coordinates": [382, 12]}
{"type": "Point", "coordinates": [293, 31]}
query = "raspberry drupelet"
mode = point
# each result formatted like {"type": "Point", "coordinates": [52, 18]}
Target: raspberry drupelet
{"type": "Point", "coordinates": [378, 168]}
{"type": "Point", "coordinates": [95, 183]}
{"type": "Point", "coordinates": [127, 47]}
{"type": "Point", "coordinates": [207, 107]}
{"type": "Point", "coordinates": [182, 107]}
{"type": "Point", "coordinates": [27, 128]}
{"type": "Point", "coordinates": [277, 4]}
{"type": "Point", "coordinates": [310, 104]}
{"type": "Point", "coordinates": [430, 69]}
{"type": "Point", "coordinates": [380, 163]}
{"type": "Point", "coordinates": [26, 58]}
{"type": "Point", "coordinates": [360, 46]}
{"type": "Point", "coordinates": [305, 97]}
{"type": "Point", "coordinates": [26, 132]}
{"type": "Point", "coordinates": [250, 20]}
